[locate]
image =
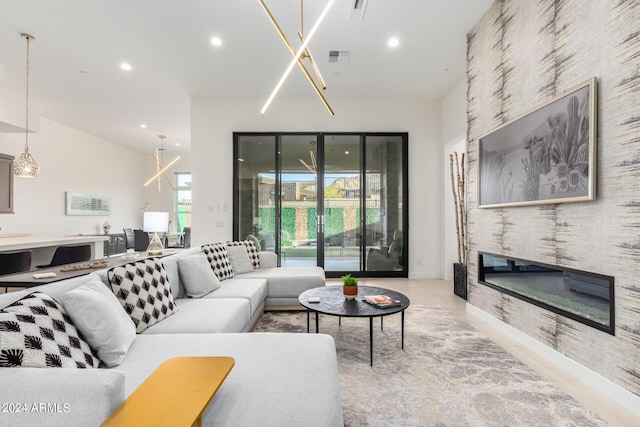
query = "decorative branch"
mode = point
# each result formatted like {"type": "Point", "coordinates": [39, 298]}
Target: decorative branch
{"type": "Point", "coordinates": [458, 189]}
{"type": "Point", "coordinates": [455, 204]}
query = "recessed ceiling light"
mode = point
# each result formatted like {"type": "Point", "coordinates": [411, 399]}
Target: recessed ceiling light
{"type": "Point", "coordinates": [143, 126]}
{"type": "Point", "coordinates": [216, 41]}
{"type": "Point", "coordinates": [125, 66]}
{"type": "Point", "coordinates": [393, 42]}
{"type": "Point", "coordinates": [177, 144]}
{"type": "Point", "coordinates": [346, 152]}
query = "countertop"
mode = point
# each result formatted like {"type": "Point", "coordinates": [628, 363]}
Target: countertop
{"type": "Point", "coordinates": [30, 242]}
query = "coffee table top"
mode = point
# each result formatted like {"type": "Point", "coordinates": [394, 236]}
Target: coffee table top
{"type": "Point", "coordinates": [176, 394]}
{"type": "Point", "coordinates": [333, 302]}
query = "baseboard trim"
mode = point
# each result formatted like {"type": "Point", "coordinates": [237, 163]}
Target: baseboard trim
{"type": "Point", "coordinates": [425, 276]}
{"type": "Point", "coordinates": [616, 393]}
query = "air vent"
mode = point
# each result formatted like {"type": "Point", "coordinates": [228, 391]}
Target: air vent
{"type": "Point", "coordinates": [356, 11]}
{"type": "Point", "coordinates": [342, 56]}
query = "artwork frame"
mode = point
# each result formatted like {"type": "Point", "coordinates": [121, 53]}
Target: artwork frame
{"type": "Point", "coordinates": [545, 156]}
{"type": "Point", "coordinates": [87, 204]}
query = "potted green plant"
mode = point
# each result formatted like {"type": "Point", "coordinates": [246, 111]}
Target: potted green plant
{"type": "Point", "coordinates": [350, 286]}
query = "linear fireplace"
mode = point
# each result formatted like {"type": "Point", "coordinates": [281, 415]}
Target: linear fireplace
{"type": "Point", "coordinates": [579, 295]}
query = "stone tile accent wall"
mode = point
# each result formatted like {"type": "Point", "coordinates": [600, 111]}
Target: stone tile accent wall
{"type": "Point", "coordinates": [520, 55]}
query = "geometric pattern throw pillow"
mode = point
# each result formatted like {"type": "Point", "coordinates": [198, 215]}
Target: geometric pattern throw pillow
{"type": "Point", "coordinates": [252, 251]}
{"type": "Point", "coordinates": [143, 290]}
{"type": "Point", "coordinates": [36, 332]}
{"type": "Point", "coordinates": [219, 259]}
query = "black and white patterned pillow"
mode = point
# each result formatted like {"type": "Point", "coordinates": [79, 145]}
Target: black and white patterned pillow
{"type": "Point", "coordinates": [252, 251]}
{"type": "Point", "coordinates": [36, 332]}
{"type": "Point", "coordinates": [219, 259]}
{"type": "Point", "coordinates": [143, 290]}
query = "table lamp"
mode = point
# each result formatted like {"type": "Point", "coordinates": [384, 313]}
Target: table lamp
{"type": "Point", "coordinates": [155, 222]}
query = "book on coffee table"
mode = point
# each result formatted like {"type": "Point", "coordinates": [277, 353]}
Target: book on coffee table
{"type": "Point", "coordinates": [381, 301]}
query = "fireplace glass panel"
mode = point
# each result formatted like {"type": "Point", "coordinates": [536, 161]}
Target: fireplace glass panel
{"type": "Point", "coordinates": [582, 296]}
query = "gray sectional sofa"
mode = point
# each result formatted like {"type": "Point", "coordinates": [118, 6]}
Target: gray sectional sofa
{"type": "Point", "coordinates": [278, 379]}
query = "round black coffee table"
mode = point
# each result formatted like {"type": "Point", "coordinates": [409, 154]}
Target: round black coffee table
{"type": "Point", "coordinates": [334, 303]}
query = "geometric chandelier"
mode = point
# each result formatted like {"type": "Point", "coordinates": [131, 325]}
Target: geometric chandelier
{"type": "Point", "coordinates": [301, 54]}
{"type": "Point", "coordinates": [25, 166]}
{"type": "Point", "coordinates": [161, 170]}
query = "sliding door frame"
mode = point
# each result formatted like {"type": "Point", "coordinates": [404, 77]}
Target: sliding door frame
{"type": "Point", "coordinates": [362, 221]}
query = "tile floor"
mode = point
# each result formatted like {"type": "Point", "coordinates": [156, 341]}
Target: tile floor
{"type": "Point", "coordinates": [440, 292]}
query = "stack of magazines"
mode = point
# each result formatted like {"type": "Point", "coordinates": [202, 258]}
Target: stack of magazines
{"type": "Point", "coordinates": [381, 301]}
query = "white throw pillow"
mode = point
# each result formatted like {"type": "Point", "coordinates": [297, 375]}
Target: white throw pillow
{"type": "Point", "coordinates": [101, 320]}
{"type": "Point", "coordinates": [239, 259]}
{"type": "Point", "coordinates": [196, 275]}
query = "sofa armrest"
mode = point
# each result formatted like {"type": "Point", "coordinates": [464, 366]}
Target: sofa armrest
{"type": "Point", "coordinates": [59, 396]}
{"type": "Point", "coordinates": [268, 259]}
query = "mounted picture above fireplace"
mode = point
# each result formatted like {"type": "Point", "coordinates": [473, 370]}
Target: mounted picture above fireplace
{"type": "Point", "coordinates": [579, 295]}
{"type": "Point", "coordinates": [545, 156]}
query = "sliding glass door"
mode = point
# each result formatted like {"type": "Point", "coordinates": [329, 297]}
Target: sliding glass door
{"type": "Point", "coordinates": [342, 182]}
{"type": "Point", "coordinates": [333, 200]}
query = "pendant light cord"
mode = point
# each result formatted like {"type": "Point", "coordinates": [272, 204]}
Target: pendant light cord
{"type": "Point", "coordinates": [26, 142]}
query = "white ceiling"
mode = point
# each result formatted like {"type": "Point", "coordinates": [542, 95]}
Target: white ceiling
{"type": "Point", "coordinates": [79, 45]}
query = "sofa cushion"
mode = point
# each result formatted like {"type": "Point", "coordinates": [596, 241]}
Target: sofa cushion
{"type": "Point", "coordinates": [36, 332]}
{"type": "Point", "coordinates": [219, 259]}
{"type": "Point", "coordinates": [239, 259]}
{"type": "Point", "coordinates": [205, 316]}
{"type": "Point", "coordinates": [170, 265]}
{"type": "Point", "coordinates": [101, 320]}
{"type": "Point", "coordinates": [252, 250]}
{"type": "Point", "coordinates": [196, 275]}
{"type": "Point", "coordinates": [288, 282]}
{"type": "Point", "coordinates": [144, 291]}
{"type": "Point", "coordinates": [254, 290]}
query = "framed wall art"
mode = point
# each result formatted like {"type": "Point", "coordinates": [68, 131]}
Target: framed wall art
{"type": "Point", "coordinates": [547, 155]}
{"type": "Point", "coordinates": [87, 204]}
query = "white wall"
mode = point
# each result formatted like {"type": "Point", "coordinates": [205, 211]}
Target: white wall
{"type": "Point", "coordinates": [214, 121]}
{"type": "Point", "coordinates": [454, 131]}
{"type": "Point", "coordinates": [71, 160]}
{"type": "Point", "coordinates": [454, 112]}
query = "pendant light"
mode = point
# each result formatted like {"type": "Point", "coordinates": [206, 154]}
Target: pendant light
{"type": "Point", "coordinates": [300, 55]}
{"type": "Point", "coordinates": [25, 166]}
{"type": "Point", "coordinates": [161, 170]}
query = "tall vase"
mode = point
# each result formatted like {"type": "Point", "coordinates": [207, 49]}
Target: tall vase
{"type": "Point", "coordinates": [460, 280]}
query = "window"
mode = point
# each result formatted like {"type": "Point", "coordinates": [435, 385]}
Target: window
{"type": "Point", "coordinates": [183, 201]}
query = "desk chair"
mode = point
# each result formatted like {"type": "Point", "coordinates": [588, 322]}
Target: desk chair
{"type": "Point", "coordinates": [129, 238]}
{"type": "Point", "coordinates": [141, 240]}
{"type": "Point", "coordinates": [185, 240]}
{"type": "Point", "coordinates": [69, 255]}
{"type": "Point", "coordinates": [187, 237]}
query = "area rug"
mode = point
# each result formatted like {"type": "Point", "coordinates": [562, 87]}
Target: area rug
{"type": "Point", "coordinates": [447, 375]}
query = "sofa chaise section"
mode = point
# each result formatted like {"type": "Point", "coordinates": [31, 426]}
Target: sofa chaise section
{"type": "Point", "coordinates": [277, 380]}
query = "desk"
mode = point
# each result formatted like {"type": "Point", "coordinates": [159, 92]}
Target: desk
{"type": "Point", "coordinates": [44, 247]}
{"type": "Point", "coordinates": [26, 280]}
{"type": "Point", "coordinates": [175, 394]}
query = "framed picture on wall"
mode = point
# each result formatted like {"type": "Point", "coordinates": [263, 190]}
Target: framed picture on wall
{"type": "Point", "coordinates": [547, 155]}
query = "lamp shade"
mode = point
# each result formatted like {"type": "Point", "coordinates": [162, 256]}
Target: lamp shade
{"type": "Point", "coordinates": [155, 222]}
